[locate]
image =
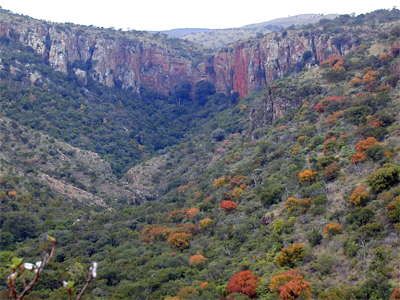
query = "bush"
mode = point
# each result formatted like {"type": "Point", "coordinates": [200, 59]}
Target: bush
{"type": "Point", "coordinates": [179, 240]}
{"type": "Point", "coordinates": [359, 196]}
{"type": "Point", "coordinates": [314, 237]}
{"type": "Point", "coordinates": [394, 210]}
{"type": "Point", "coordinates": [324, 264]}
{"type": "Point", "coordinates": [228, 205]}
{"type": "Point", "coordinates": [293, 204]}
{"type": "Point", "coordinates": [197, 259]}
{"type": "Point", "coordinates": [290, 285]}
{"type": "Point", "coordinates": [307, 175]}
{"type": "Point", "coordinates": [366, 144]}
{"type": "Point", "coordinates": [244, 282]}
{"type": "Point", "coordinates": [376, 153]}
{"type": "Point", "coordinates": [384, 177]}
{"type": "Point", "coordinates": [205, 223]}
{"type": "Point", "coordinates": [360, 216]}
{"type": "Point", "coordinates": [332, 229]}
{"type": "Point", "coordinates": [332, 171]}
{"type": "Point", "coordinates": [357, 114]}
{"type": "Point", "coordinates": [271, 194]}
{"type": "Point", "coordinates": [290, 256]}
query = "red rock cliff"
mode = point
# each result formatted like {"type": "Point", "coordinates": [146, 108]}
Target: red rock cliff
{"type": "Point", "coordinates": [252, 64]}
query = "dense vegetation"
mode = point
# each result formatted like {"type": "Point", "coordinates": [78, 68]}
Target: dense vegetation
{"type": "Point", "coordinates": [306, 205]}
{"type": "Point", "coordinates": [119, 124]}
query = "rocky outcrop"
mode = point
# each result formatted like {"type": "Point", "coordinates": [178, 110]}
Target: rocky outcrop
{"type": "Point", "coordinates": [110, 57]}
{"type": "Point", "coordinates": [250, 65]}
{"type": "Point", "coordinates": [135, 60]}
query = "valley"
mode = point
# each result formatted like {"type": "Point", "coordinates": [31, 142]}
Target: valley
{"type": "Point", "coordinates": [264, 168]}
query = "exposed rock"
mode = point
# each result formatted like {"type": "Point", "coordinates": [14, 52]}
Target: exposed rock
{"type": "Point", "coordinates": [71, 171]}
{"type": "Point", "coordinates": [71, 191]}
{"type": "Point", "coordinates": [116, 58]}
{"type": "Point", "coordinates": [143, 177]}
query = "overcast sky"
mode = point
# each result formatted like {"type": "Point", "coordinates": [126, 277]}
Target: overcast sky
{"type": "Point", "coordinates": [168, 14]}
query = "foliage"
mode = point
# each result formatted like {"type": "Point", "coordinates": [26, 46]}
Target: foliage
{"type": "Point", "coordinates": [384, 177]}
{"type": "Point", "coordinates": [332, 229]}
{"type": "Point", "coordinates": [294, 204]}
{"type": "Point", "coordinates": [394, 210]}
{"type": "Point", "coordinates": [290, 285]}
{"type": "Point", "coordinates": [228, 205]}
{"type": "Point", "coordinates": [271, 194]}
{"type": "Point", "coordinates": [307, 176]}
{"type": "Point", "coordinates": [314, 237]}
{"type": "Point", "coordinates": [179, 240]}
{"type": "Point", "coordinates": [206, 222]}
{"type": "Point", "coordinates": [197, 259]}
{"type": "Point", "coordinates": [359, 196]}
{"type": "Point", "coordinates": [290, 256]}
{"type": "Point", "coordinates": [244, 282]}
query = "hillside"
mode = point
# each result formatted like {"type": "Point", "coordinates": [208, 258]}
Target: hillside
{"type": "Point", "coordinates": [218, 38]}
{"type": "Point", "coordinates": [285, 187]}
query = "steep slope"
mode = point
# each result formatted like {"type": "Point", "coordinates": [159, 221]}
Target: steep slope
{"type": "Point", "coordinates": [297, 185]}
{"type": "Point", "coordinates": [116, 123]}
{"type": "Point", "coordinates": [303, 175]}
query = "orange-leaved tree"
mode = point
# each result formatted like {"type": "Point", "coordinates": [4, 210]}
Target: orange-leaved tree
{"type": "Point", "coordinates": [197, 259]}
{"type": "Point", "coordinates": [359, 195]}
{"type": "Point", "coordinates": [366, 144]}
{"type": "Point", "coordinates": [294, 204]}
{"type": "Point", "coordinates": [291, 255]}
{"type": "Point", "coordinates": [244, 282]}
{"type": "Point", "coordinates": [179, 240]}
{"type": "Point", "coordinates": [192, 212]}
{"type": "Point", "coordinates": [228, 205]}
{"type": "Point", "coordinates": [307, 175]}
{"type": "Point", "coordinates": [332, 229]}
{"type": "Point", "coordinates": [290, 285]}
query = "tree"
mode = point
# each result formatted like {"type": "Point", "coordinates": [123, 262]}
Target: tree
{"type": "Point", "coordinates": [291, 255]}
{"type": "Point", "coordinates": [29, 281]}
{"type": "Point", "coordinates": [244, 282]}
{"type": "Point", "coordinates": [197, 259]}
{"type": "Point", "coordinates": [271, 194]}
{"type": "Point", "coordinates": [290, 285]}
{"type": "Point", "coordinates": [307, 175]}
{"type": "Point", "coordinates": [359, 195]}
{"type": "Point", "coordinates": [228, 205]}
{"type": "Point", "coordinates": [394, 210]}
{"type": "Point", "coordinates": [384, 177]}
{"type": "Point", "coordinates": [179, 240]}
{"type": "Point", "coordinates": [18, 269]}
{"type": "Point", "coordinates": [332, 229]}
{"type": "Point", "coordinates": [203, 89]}
{"type": "Point", "coordinates": [366, 144]}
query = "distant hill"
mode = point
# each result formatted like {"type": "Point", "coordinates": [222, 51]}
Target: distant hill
{"type": "Point", "coordinates": [182, 32]}
{"type": "Point", "coordinates": [217, 38]}
{"type": "Point", "coordinates": [293, 20]}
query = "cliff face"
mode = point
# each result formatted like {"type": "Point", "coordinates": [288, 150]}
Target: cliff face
{"type": "Point", "coordinates": [117, 60]}
{"type": "Point", "coordinates": [110, 59]}
{"type": "Point", "coordinates": [252, 64]}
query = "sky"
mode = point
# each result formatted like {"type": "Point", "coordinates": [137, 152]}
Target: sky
{"type": "Point", "coordinates": [169, 14]}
